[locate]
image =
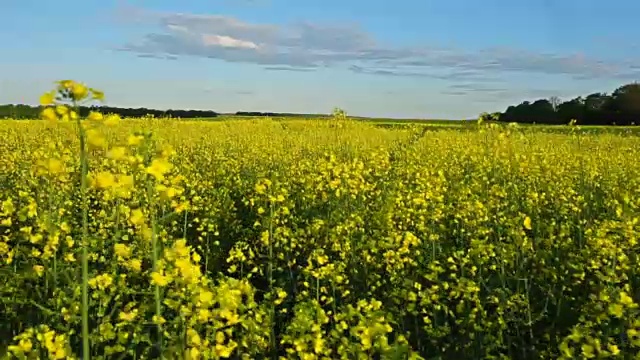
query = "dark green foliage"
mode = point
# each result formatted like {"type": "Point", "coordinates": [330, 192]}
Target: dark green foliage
{"type": "Point", "coordinates": [19, 111]}
{"type": "Point", "coordinates": [622, 107]}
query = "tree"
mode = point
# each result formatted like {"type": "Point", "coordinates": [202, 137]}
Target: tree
{"type": "Point", "coordinates": [33, 112]}
{"type": "Point", "coordinates": [572, 109]}
{"type": "Point", "coordinates": [622, 107]}
{"type": "Point", "coordinates": [596, 109]}
{"type": "Point", "coordinates": [542, 110]}
{"type": "Point", "coordinates": [625, 103]}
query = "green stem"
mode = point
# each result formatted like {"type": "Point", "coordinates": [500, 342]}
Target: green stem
{"type": "Point", "coordinates": [85, 234]}
{"type": "Point", "coordinates": [154, 252]}
{"type": "Point", "coordinates": [184, 225]}
{"type": "Point", "coordinates": [157, 295]}
{"type": "Point", "coordinates": [270, 275]}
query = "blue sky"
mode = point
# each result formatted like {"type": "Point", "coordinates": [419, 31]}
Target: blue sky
{"type": "Point", "coordinates": [402, 58]}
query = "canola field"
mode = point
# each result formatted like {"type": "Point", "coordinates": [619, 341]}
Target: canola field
{"type": "Point", "coordinates": [328, 239]}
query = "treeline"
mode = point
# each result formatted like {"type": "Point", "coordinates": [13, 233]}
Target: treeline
{"type": "Point", "coordinates": [272, 114]}
{"type": "Point", "coordinates": [11, 111]}
{"type": "Point", "coordinates": [622, 107]}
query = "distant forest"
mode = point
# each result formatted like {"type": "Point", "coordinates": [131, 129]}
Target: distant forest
{"type": "Point", "coordinates": [622, 107]}
{"type": "Point", "coordinates": [32, 112]}
{"type": "Point", "coordinates": [11, 111]}
{"type": "Point", "coordinates": [272, 114]}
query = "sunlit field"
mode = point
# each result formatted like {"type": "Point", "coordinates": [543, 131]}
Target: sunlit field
{"type": "Point", "coordinates": [315, 239]}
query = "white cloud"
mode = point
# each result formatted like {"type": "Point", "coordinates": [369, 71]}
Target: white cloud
{"type": "Point", "coordinates": [227, 41]}
{"type": "Point", "coordinates": [307, 46]}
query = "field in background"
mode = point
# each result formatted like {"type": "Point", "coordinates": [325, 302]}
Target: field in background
{"type": "Point", "coordinates": [321, 240]}
{"type": "Point", "coordinates": [225, 117]}
{"type": "Point", "coordinates": [441, 124]}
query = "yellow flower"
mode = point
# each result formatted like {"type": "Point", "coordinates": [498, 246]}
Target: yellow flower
{"type": "Point", "coordinates": [166, 193]}
{"type": "Point", "coordinates": [204, 315]}
{"type": "Point", "coordinates": [193, 337]}
{"type": "Point", "coordinates": [158, 168]}
{"type": "Point", "coordinates": [94, 116]}
{"type": "Point", "coordinates": [159, 279]}
{"type": "Point", "coordinates": [117, 153]}
{"type": "Point", "coordinates": [146, 232]}
{"type": "Point", "coordinates": [95, 139]}
{"type": "Point", "coordinates": [158, 319]}
{"type": "Point", "coordinates": [206, 298]}
{"type": "Point", "coordinates": [167, 151]}
{"type": "Point", "coordinates": [35, 238]}
{"type": "Point", "coordinates": [124, 186]}
{"type": "Point", "coordinates": [616, 310]}
{"type": "Point", "coordinates": [112, 120]}
{"type": "Point", "coordinates": [49, 114]}
{"type": "Point", "coordinates": [62, 110]}
{"type": "Point", "coordinates": [101, 281]}
{"type": "Point", "coordinates": [587, 351]}
{"type": "Point", "coordinates": [65, 84]}
{"type": "Point", "coordinates": [23, 347]}
{"type": "Point", "coordinates": [125, 180]}
{"type": "Point", "coordinates": [625, 299]}
{"type": "Point", "coordinates": [38, 269]}
{"type": "Point", "coordinates": [79, 91]}
{"type": "Point", "coordinates": [613, 348]}
{"type": "Point", "coordinates": [225, 351]}
{"type": "Point", "coordinates": [64, 226]}
{"type": "Point", "coordinates": [122, 250]}
{"type": "Point", "coordinates": [97, 94]}
{"type": "Point", "coordinates": [104, 180]}
{"type": "Point", "coordinates": [47, 98]}
{"type": "Point", "coordinates": [137, 217]}
{"type": "Point", "coordinates": [135, 265]}
{"type": "Point", "coordinates": [55, 166]}
{"type": "Point", "coordinates": [192, 354]}
{"type": "Point", "coordinates": [135, 140]}
{"type": "Point", "coordinates": [527, 223]}
{"type": "Point", "coordinates": [281, 296]}
{"type": "Point", "coordinates": [128, 316]}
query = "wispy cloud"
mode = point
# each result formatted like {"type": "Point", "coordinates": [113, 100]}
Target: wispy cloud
{"type": "Point", "coordinates": [289, 68]}
{"type": "Point", "coordinates": [306, 46]}
{"type": "Point", "coordinates": [442, 73]}
{"type": "Point", "coordinates": [455, 93]}
{"type": "Point", "coordinates": [158, 56]}
{"type": "Point", "coordinates": [482, 92]}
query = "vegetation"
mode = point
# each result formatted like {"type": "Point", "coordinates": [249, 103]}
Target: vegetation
{"type": "Point", "coordinates": [313, 239]}
{"type": "Point", "coordinates": [30, 112]}
{"type": "Point", "coordinates": [273, 114]}
{"type": "Point", "coordinates": [622, 107]}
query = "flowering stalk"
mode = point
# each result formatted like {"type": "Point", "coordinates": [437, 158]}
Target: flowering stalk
{"type": "Point", "coordinates": [85, 233]}
{"type": "Point", "coordinates": [155, 248]}
{"type": "Point", "coordinates": [74, 92]}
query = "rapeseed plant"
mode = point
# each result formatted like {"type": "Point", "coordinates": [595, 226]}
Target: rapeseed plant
{"type": "Point", "coordinates": [156, 238]}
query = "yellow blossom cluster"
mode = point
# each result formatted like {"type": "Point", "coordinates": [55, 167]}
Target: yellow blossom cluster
{"type": "Point", "coordinates": [314, 239]}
